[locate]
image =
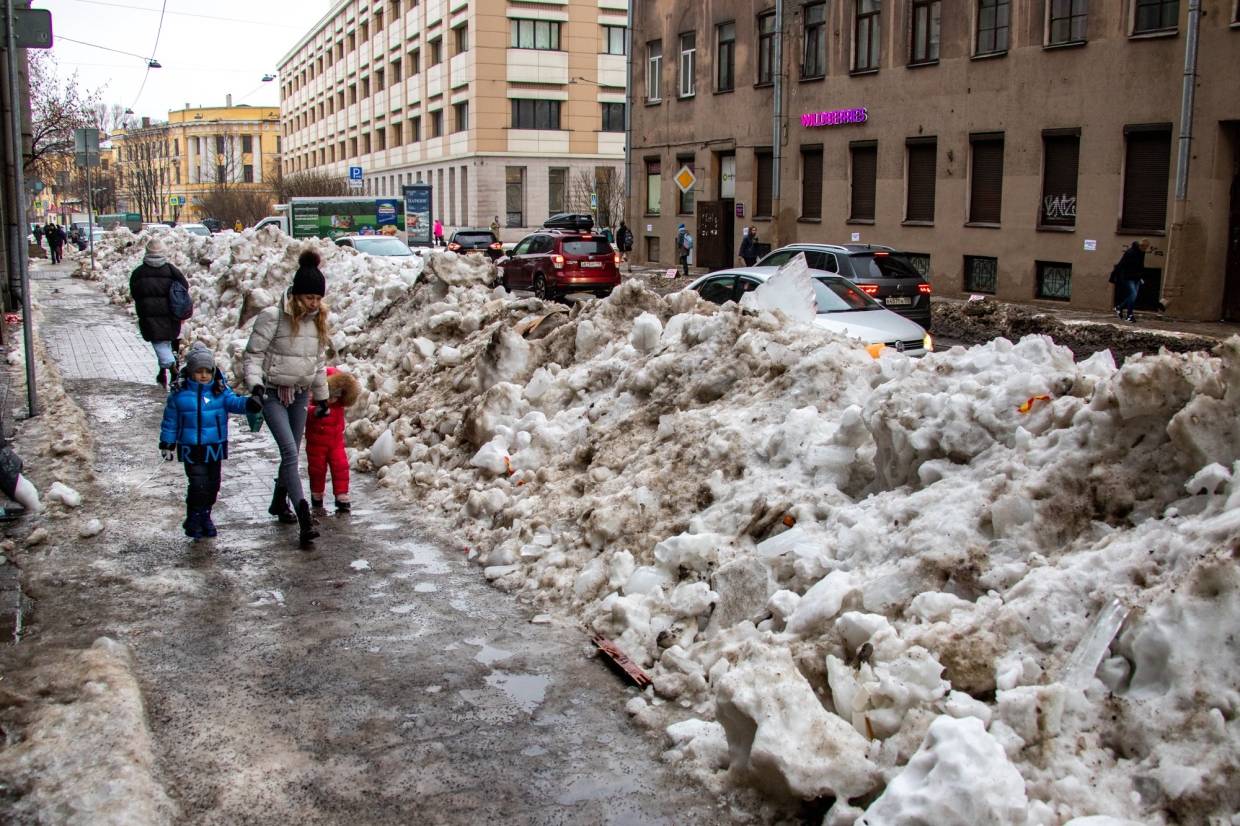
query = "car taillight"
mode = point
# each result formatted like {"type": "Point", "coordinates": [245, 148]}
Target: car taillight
{"type": "Point", "coordinates": [869, 289]}
{"type": "Point", "coordinates": [454, 246]}
{"type": "Point", "coordinates": [616, 258]}
{"type": "Point", "coordinates": [880, 254]}
{"type": "Point", "coordinates": [924, 289]}
{"type": "Point", "coordinates": [558, 261]}
{"type": "Point", "coordinates": [497, 246]}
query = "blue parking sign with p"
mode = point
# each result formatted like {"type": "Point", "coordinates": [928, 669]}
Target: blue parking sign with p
{"type": "Point", "coordinates": [355, 173]}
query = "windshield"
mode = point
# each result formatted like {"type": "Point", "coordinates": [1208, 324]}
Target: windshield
{"type": "Point", "coordinates": [871, 265]}
{"type": "Point", "coordinates": [837, 295]}
{"type": "Point", "coordinates": [587, 246]}
{"type": "Point", "coordinates": [198, 230]}
{"type": "Point", "coordinates": [381, 246]}
{"type": "Point", "coordinates": [475, 239]}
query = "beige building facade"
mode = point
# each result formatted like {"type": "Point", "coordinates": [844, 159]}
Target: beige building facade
{"type": "Point", "coordinates": [510, 109]}
{"type": "Point", "coordinates": [1015, 147]}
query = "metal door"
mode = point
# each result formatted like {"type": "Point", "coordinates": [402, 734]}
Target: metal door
{"type": "Point", "coordinates": [712, 246]}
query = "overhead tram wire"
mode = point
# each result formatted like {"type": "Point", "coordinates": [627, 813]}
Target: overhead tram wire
{"type": "Point", "coordinates": [191, 14]}
{"type": "Point", "coordinates": [158, 31]}
{"type": "Point", "coordinates": [97, 46]}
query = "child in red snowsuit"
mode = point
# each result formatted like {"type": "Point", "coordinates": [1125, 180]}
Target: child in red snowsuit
{"type": "Point", "coordinates": [325, 442]}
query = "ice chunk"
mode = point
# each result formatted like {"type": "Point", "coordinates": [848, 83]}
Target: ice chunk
{"type": "Point", "coordinates": [1084, 660]}
{"type": "Point", "coordinates": [821, 603]}
{"type": "Point", "coordinates": [383, 450]}
{"type": "Point", "coordinates": [647, 329]}
{"type": "Point", "coordinates": [62, 493]}
{"type": "Point", "coordinates": [1209, 479]}
{"type": "Point", "coordinates": [959, 776]}
{"type": "Point", "coordinates": [492, 456]}
{"type": "Point", "coordinates": [789, 290]}
{"type": "Point", "coordinates": [645, 579]}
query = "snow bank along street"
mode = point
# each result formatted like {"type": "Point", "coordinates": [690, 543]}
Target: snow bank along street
{"type": "Point", "coordinates": [994, 585]}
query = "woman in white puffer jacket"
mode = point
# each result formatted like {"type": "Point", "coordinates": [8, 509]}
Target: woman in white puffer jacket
{"type": "Point", "coordinates": [285, 365]}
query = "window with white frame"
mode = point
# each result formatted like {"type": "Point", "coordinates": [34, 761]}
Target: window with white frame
{"type": "Point", "coordinates": [688, 63]}
{"type": "Point", "coordinates": [1066, 21]}
{"type": "Point", "coordinates": [654, 70]}
{"type": "Point", "coordinates": [543, 35]}
{"type": "Point", "coordinates": [613, 40]}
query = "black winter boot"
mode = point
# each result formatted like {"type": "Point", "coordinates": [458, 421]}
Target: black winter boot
{"type": "Point", "coordinates": [305, 525]}
{"type": "Point", "coordinates": [208, 527]}
{"type": "Point", "coordinates": [279, 506]}
{"type": "Point", "coordinates": [161, 378]}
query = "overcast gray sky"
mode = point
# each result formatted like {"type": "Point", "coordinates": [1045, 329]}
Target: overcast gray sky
{"type": "Point", "coordinates": [207, 49]}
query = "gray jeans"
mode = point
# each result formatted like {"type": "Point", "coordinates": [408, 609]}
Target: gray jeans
{"type": "Point", "coordinates": [287, 425]}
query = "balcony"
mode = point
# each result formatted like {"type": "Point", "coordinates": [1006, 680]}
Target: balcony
{"type": "Point", "coordinates": [456, 5]}
{"type": "Point", "coordinates": [461, 69]}
{"type": "Point", "coordinates": [611, 70]}
{"type": "Point", "coordinates": [458, 143]}
{"type": "Point", "coordinates": [434, 81]}
{"type": "Point", "coordinates": [413, 91]}
{"type": "Point", "coordinates": [434, 12]}
{"type": "Point", "coordinates": [537, 66]}
{"type": "Point", "coordinates": [540, 141]}
{"type": "Point", "coordinates": [614, 5]}
{"type": "Point", "coordinates": [611, 143]}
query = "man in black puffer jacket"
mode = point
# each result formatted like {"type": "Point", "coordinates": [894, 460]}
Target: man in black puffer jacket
{"type": "Point", "coordinates": [149, 285]}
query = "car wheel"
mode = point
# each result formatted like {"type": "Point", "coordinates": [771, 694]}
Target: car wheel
{"type": "Point", "coordinates": [540, 288]}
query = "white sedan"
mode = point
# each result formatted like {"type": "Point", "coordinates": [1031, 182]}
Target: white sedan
{"type": "Point", "coordinates": [385, 245]}
{"type": "Point", "coordinates": [842, 307]}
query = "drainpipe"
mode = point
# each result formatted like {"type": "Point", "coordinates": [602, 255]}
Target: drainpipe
{"type": "Point", "coordinates": [777, 116]}
{"type": "Point", "coordinates": [1186, 137]}
{"type": "Point", "coordinates": [628, 110]}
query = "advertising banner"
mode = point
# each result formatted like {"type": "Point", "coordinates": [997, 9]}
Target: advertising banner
{"type": "Point", "coordinates": [334, 217]}
{"type": "Point", "coordinates": [418, 216]}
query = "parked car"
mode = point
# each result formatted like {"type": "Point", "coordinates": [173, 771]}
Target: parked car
{"type": "Point", "coordinates": [555, 262]}
{"type": "Point", "coordinates": [213, 224]}
{"type": "Point", "coordinates": [843, 307]}
{"type": "Point", "coordinates": [882, 272]}
{"type": "Point", "coordinates": [384, 245]}
{"type": "Point", "coordinates": [570, 220]}
{"type": "Point", "coordinates": [197, 229]}
{"type": "Point", "coordinates": [476, 240]}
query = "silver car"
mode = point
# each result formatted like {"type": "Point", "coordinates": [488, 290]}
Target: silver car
{"type": "Point", "coordinates": [385, 245]}
{"type": "Point", "coordinates": [842, 307]}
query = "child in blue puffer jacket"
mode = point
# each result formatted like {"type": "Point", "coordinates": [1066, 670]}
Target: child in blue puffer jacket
{"type": "Point", "coordinates": [195, 430]}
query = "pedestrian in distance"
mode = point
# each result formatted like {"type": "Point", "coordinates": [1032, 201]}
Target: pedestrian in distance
{"type": "Point", "coordinates": [624, 240]}
{"type": "Point", "coordinates": [749, 248]}
{"type": "Point", "coordinates": [684, 247]}
{"type": "Point", "coordinates": [150, 286]}
{"type": "Point", "coordinates": [38, 235]}
{"type": "Point", "coordinates": [495, 227]}
{"type": "Point", "coordinates": [1126, 276]}
{"type": "Point", "coordinates": [195, 431]}
{"type": "Point", "coordinates": [285, 366]}
{"type": "Point", "coordinates": [55, 242]}
{"type": "Point", "coordinates": [325, 443]}
{"type": "Point", "coordinates": [438, 232]}
{"type": "Point", "coordinates": [237, 225]}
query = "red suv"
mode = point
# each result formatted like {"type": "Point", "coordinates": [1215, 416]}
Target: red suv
{"type": "Point", "coordinates": [554, 262]}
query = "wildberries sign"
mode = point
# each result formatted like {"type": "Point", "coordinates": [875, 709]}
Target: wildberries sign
{"type": "Point", "coordinates": [837, 117]}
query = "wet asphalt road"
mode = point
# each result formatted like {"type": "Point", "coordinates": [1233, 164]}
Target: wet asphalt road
{"type": "Point", "coordinates": [375, 680]}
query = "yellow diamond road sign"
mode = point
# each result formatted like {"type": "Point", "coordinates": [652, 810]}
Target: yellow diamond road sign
{"type": "Point", "coordinates": [685, 179]}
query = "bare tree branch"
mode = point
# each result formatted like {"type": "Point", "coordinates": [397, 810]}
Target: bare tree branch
{"type": "Point", "coordinates": [57, 108]}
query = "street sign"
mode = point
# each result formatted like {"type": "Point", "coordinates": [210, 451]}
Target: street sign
{"type": "Point", "coordinates": [685, 179]}
{"type": "Point", "coordinates": [86, 147]}
{"type": "Point", "coordinates": [593, 200]}
{"type": "Point", "coordinates": [355, 177]}
{"type": "Point", "coordinates": [32, 28]}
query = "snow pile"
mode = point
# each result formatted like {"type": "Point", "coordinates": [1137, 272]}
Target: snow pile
{"type": "Point", "coordinates": [867, 577]}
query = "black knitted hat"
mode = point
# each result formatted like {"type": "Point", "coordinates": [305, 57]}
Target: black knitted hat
{"type": "Point", "coordinates": [309, 279]}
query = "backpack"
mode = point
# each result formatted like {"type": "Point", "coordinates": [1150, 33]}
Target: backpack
{"type": "Point", "coordinates": [179, 303]}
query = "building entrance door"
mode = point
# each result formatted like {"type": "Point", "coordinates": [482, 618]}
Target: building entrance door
{"type": "Point", "coordinates": [1231, 285]}
{"type": "Point", "coordinates": [712, 247]}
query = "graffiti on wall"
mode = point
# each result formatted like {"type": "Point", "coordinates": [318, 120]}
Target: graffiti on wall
{"type": "Point", "coordinates": [1059, 207]}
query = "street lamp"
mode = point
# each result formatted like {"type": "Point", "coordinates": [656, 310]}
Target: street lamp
{"type": "Point", "coordinates": [267, 78]}
{"type": "Point", "coordinates": [153, 64]}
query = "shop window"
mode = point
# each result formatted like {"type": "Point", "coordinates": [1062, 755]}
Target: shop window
{"type": "Point", "coordinates": [557, 189]}
{"type": "Point", "coordinates": [514, 195]}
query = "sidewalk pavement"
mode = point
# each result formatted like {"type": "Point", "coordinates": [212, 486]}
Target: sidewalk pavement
{"type": "Point", "coordinates": [372, 678]}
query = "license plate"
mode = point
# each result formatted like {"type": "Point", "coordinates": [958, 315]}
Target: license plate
{"type": "Point", "coordinates": [899, 301]}
{"type": "Point", "coordinates": [593, 264]}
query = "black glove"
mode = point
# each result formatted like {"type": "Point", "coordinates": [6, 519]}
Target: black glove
{"type": "Point", "coordinates": [320, 410]}
{"type": "Point", "coordinates": [168, 450]}
{"type": "Point", "coordinates": [257, 392]}
{"type": "Point", "coordinates": [253, 405]}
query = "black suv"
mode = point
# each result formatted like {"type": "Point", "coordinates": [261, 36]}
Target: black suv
{"type": "Point", "coordinates": [881, 272]}
{"type": "Point", "coordinates": [570, 220]}
{"type": "Point", "coordinates": [476, 240]}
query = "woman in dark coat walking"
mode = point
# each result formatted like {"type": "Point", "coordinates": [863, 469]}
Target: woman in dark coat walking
{"type": "Point", "coordinates": [149, 286]}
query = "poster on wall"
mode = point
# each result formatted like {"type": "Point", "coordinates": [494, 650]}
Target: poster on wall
{"type": "Point", "coordinates": [418, 216]}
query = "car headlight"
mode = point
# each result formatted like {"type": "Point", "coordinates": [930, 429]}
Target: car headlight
{"type": "Point", "coordinates": [928, 343]}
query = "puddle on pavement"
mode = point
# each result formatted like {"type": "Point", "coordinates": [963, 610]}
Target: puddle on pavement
{"type": "Point", "coordinates": [526, 691]}
{"type": "Point", "coordinates": [429, 558]}
{"type": "Point", "coordinates": [489, 654]}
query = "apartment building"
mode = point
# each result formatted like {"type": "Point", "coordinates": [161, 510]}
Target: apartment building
{"type": "Point", "coordinates": [508, 108]}
{"type": "Point", "coordinates": [1014, 147]}
{"type": "Point", "coordinates": [165, 170]}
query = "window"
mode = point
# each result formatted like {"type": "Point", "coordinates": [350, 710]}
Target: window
{"type": "Point", "coordinates": [613, 40]}
{"type": "Point", "coordinates": [436, 51]}
{"type": "Point", "coordinates": [814, 55]}
{"type": "Point", "coordinates": [718, 290]}
{"type": "Point", "coordinates": [557, 189]}
{"type": "Point", "coordinates": [613, 117]}
{"type": "Point", "coordinates": [396, 75]}
{"type": "Point", "coordinates": [922, 162]}
{"type": "Point", "coordinates": [1155, 16]}
{"type": "Point", "coordinates": [415, 61]}
{"type": "Point", "coordinates": [652, 248]}
{"type": "Point", "coordinates": [766, 48]}
{"type": "Point", "coordinates": [460, 112]}
{"type": "Point", "coordinates": [365, 87]}
{"type": "Point", "coordinates": [415, 129]}
{"type": "Point", "coordinates": [1061, 154]}
{"type": "Point", "coordinates": [352, 93]}
{"type": "Point", "coordinates": [1066, 22]}
{"type": "Point", "coordinates": [437, 123]}
{"type": "Point", "coordinates": [866, 36]}
{"type": "Point", "coordinates": [462, 38]}
{"type": "Point", "coordinates": [247, 143]}
{"type": "Point", "coordinates": [380, 140]}
{"type": "Point", "coordinates": [535, 34]}
{"type": "Point", "coordinates": [684, 200]}
{"type": "Point", "coordinates": [365, 28]}
{"type": "Point", "coordinates": [654, 70]}
{"type": "Point", "coordinates": [688, 63]}
{"type": "Point", "coordinates": [811, 181]}
{"type": "Point", "coordinates": [535, 114]}
{"type": "Point", "coordinates": [925, 48]}
{"type": "Point", "coordinates": [725, 57]}
{"type": "Point", "coordinates": [219, 144]}
{"type": "Point", "coordinates": [864, 180]}
{"type": "Point", "coordinates": [1147, 165]}
{"type": "Point", "coordinates": [763, 170]}
{"type": "Point", "coordinates": [366, 143]}
{"type": "Point", "coordinates": [1054, 280]}
{"type": "Point", "coordinates": [986, 180]}
{"type": "Point", "coordinates": [379, 80]}
{"type": "Point", "coordinates": [514, 195]}
{"type": "Point", "coordinates": [981, 274]}
{"type": "Point", "coordinates": [220, 176]}
{"type": "Point", "coordinates": [993, 18]}
{"type": "Point", "coordinates": [654, 186]}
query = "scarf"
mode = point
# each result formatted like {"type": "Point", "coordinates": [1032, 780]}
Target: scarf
{"type": "Point", "coordinates": [155, 261]}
